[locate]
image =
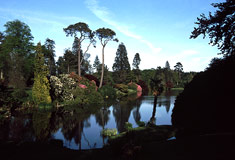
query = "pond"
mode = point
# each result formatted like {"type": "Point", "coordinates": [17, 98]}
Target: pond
{"type": "Point", "coordinates": [83, 131]}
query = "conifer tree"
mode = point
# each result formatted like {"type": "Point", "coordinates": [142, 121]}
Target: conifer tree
{"type": "Point", "coordinates": [121, 66]}
{"type": "Point", "coordinates": [41, 87]}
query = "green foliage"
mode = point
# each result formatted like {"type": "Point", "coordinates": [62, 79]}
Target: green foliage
{"type": "Point", "coordinates": [19, 94]}
{"type": "Point", "coordinates": [87, 96]}
{"type": "Point", "coordinates": [122, 87]}
{"type": "Point", "coordinates": [109, 132]}
{"type": "Point", "coordinates": [49, 54]}
{"type": "Point", "coordinates": [132, 86]}
{"type": "Point", "coordinates": [96, 64]}
{"type": "Point", "coordinates": [121, 66]}
{"type": "Point", "coordinates": [16, 54]}
{"type": "Point", "coordinates": [80, 31]}
{"type": "Point", "coordinates": [41, 86]}
{"type": "Point", "coordinates": [128, 126]}
{"type": "Point", "coordinates": [141, 124]}
{"type": "Point", "coordinates": [219, 27]}
{"type": "Point", "coordinates": [136, 61]}
{"type": "Point", "coordinates": [108, 92]}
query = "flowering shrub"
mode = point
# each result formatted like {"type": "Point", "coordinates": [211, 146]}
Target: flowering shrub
{"type": "Point", "coordinates": [144, 87]}
{"type": "Point", "coordinates": [134, 87]}
{"type": "Point", "coordinates": [61, 87]}
{"type": "Point", "coordinates": [75, 90]}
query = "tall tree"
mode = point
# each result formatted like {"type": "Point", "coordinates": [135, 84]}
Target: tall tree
{"type": "Point", "coordinates": [121, 66]}
{"type": "Point", "coordinates": [179, 69]}
{"type": "Point", "coordinates": [18, 50]}
{"type": "Point", "coordinates": [96, 63]}
{"type": "Point", "coordinates": [69, 60]}
{"type": "Point", "coordinates": [81, 32]}
{"type": "Point", "coordinates": [105, 35]}
{"type": "Point", "coordinates": [49, 54]}
{"type": "Point", "coordinates": [135, 64]}
{"type": "Point", "coordinates": [136, 61]}
{"type": "Point", "coordinates": [167, 65]}
{"type": "Point", "coordinates": [41, 86]}
{"type": "Point", "coordinates": [2, 57]}
{"type": "Point", "coordinates": [220, 27]}
{"type": "Point", "coordinates": [61, 66]}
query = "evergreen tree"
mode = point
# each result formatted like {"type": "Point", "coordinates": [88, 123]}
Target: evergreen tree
{"type": "Point", "coordinates": [135, 64]}
{"type": "Point", "coordinates": [61, 66]}
{"type": "Point", "coordinates": [167, 65]}
{"type": "Point", "coordinates": [49, 54]}
{"type": "Point", "coordinates": [136, 61]}
{"type": "Point", "coordinates": [41, 86]}
{"type": "Point", "coordinates": [2, 57]}
{"type": "Point", "coordinates": [179, 69]}
{"type": "Point", "coordinates": [121, 66]}
{"type": "Point", "coordinates": [70, 61]}
{"type": "Point", "coordinates": [96, 64]}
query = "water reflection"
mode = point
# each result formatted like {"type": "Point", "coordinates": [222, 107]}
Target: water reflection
{"type": "Point", "coordinates": [82, 130]}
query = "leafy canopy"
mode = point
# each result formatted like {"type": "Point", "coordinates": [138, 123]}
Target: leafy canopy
{"type": "Point", "coordinates": [220, 27]}
{"type": "Point", "coordinates": [105, 35]}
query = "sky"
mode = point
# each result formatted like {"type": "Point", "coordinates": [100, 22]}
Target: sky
{"type": "Point", "coordinates": [158, 30]}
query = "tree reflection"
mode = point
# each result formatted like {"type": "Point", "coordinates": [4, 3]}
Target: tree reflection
{"type": "Point", "coordinates": [153, 119]}
{"type": "Point", "coordinates": [41, 125]}
{"type": "Point", "coordinates": [72, 127]}
{"type": "Point", "coordinates": [121, 112]}
{"type": "Point", "coordinates": [136, 112]}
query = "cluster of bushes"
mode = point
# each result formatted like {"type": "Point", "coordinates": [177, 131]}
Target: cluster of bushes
{"type": "Point", "coordinates": [123, 90]}
{"type": "Point", "coordinates": [74, 90]}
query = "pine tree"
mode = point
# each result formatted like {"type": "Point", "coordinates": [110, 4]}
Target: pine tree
{"type": "Point", "coordinates": [121, 66]}
{"type": "Point", "coordinates": [135, 64]}
{"type": "Point", "coordinates": [96, 64]}
{"type": "Point", "coordinates": [167, 65]}
{"type": "Point", "coordinates": [41, 87]}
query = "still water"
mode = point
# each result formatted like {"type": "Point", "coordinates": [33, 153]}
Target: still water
{"type": "Point", "coordinates": [82, 131]}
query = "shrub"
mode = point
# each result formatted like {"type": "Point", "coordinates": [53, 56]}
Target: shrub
{"type": "Point", "coordinates": [108, 92]}
{"type": "Point", "coordinates": [122, 87]}
{"type": "Point", "coordinates": [91, 77]}
{"type": "Point", "coordinates": [86, 96]}
{"type": "Point", "coordinates": [128, 126]}
{"type": "Point", "coordinates": [41, 86]}
{"type": "Point", "coordinates": [141, 123]}
{"type": "Point", "coordinates": [145, 89]}
{"type": "Point", "coordinates": [109, 132]}
{"type": "Point", "coordinates": [61, 87]}
{"type": "Point", "coordinates": [132, 86]}
{"type": "Point", "coordinates": [19, 94]}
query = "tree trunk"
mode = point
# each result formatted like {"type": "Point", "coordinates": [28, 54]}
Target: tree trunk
{"type": "Point", "coordinates": [79, 59]}
{"type": "Point", "coordinates": [102, 73]}
{"type": "Point", "coordinates": [68, 68]}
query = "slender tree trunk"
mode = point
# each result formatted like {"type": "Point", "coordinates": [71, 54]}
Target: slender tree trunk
{"type": "Point", "coordinates": [68, 69]}
{"type": "Point", "coordinates": [79, 59]}
{"type": "Point", "coordinates": [102, 73]}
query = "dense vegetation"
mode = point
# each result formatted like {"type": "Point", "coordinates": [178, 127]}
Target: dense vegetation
{"type": "Point", "coordinates": [24, 66]}
{"type": "Point", "coordinates": [204, 105]}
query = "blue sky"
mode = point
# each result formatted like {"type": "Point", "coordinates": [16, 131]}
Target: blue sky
{"type": "Point", "coordinates": [158, 30]}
